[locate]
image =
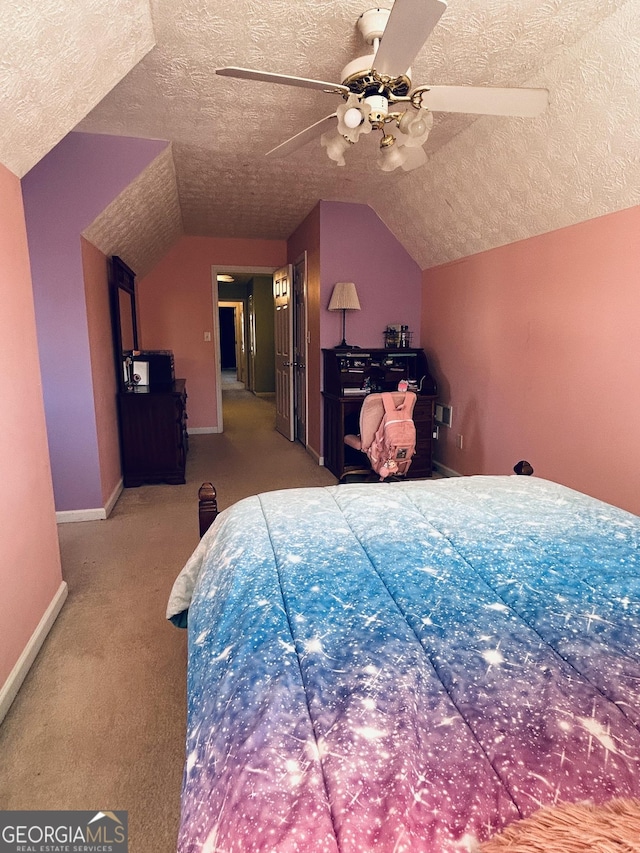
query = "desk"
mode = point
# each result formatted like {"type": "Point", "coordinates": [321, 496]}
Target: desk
{"type": "Point", "coordinates": [342, 416]}
{"type": "Point", "coordinates": [345, 373]}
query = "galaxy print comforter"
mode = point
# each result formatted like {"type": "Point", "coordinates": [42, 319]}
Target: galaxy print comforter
{"type": "Point", "coordinates": [407, 666]}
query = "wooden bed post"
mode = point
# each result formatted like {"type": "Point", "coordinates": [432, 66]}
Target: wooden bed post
{"type": "Point", "coordinates": [207, 507]}
{"type": "Point", "coordinates": [523, 467]}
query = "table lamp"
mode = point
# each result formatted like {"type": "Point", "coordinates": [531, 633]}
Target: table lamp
{"type": "Point", "coordinates": [344, 298]}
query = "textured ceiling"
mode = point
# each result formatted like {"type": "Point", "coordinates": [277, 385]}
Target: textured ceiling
{"type": "Point", "coordinates": [488, 181]}
{"type": "Point", "coordinates": [58, 59]}
{"type": "Point", "coordinates": [144, 220]}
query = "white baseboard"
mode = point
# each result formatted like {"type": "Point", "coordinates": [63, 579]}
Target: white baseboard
{"type": "Point", "coordinates": [10, 688]}
{"type": "Point", "coordinates": [203, 430]}
{"type": "Point", "coordinates": [447, 472]}
{"type": "Point", "coordinates": [98, 514]}
{"type": "Point", "coordinates": [69, 515]}
{"type": "Point", "coordinates": [114, 497]}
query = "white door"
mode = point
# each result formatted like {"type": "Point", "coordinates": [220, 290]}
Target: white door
{"type": "Point", "coordinates": [300, 349]}
{"type": "Point", "coordinates": [282, 281]}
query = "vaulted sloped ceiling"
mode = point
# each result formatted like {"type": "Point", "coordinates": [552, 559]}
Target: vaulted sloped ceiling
{"type": "Point", "coordinates": [488, 181]}
{"type": "Point", "coordinates": [58, 59]}
{"type": "Point", "coordinates": [500, 180]}
{"type": "Point", "coordinates": [144, 220]}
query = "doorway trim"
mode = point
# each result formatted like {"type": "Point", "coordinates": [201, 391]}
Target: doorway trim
{"type": "Point", "coordinates": [302, 335]}
{"type": "Point", "coordinates": [239, 308]}
{"type": "Point", "coordinates": [216, 270]}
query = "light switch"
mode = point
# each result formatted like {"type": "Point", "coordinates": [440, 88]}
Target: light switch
{"type": "Point", "coordinates": [207, 336]}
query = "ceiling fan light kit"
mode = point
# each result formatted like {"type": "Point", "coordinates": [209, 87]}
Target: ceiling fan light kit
{"type": "Point", "coordinates": [391, 155]}
{"type": "Point", "coordinates": [354, 118]}
{"type": "Point", "coordinates": [336, 145]}
{"type": "Point", "coordinates": [378, 92]}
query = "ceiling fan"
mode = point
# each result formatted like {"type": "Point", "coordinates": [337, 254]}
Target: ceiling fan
{"type": "Point", "coordinates": [379, 95]}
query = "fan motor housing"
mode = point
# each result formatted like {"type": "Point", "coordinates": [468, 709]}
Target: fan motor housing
{"type": "Point", "coordinates": [362, 79]}
{"type": "Point", "coordinates": [359, 74]}
{"type": "Point", "coordinates": [369, 82]}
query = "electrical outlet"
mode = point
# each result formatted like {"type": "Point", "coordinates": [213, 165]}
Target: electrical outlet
{"type": "Point", "coordinates": [459, 442]}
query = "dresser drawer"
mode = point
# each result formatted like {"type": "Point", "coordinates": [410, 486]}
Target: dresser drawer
{"type": "Point", "coordinates": [153, 435]}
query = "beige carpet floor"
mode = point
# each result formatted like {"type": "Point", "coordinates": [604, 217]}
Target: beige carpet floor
{"type": "Point", "coordinates": [99, 723]}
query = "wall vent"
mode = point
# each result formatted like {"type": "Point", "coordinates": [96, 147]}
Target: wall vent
{"type": "Point", "coordinates": [443, 415]}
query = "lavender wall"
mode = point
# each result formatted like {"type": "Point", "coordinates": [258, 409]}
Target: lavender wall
{"type": "Point", "coordinates": [355, 245]}
{"type": "Point", "coordinates": [63, 194]}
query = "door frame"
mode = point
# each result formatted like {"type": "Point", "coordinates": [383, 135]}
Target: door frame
{"type": "Point", "coordinates": [284, 321]}
{"type": "Point", "coordinates": [239, 309]}
{"type": "Point", "coordinates": [303, 335]}
{"type": "Point", "coordinates": [216, 270]}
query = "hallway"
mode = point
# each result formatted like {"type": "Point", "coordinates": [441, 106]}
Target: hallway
{"type": "Point", "coordinates": [250, 456]}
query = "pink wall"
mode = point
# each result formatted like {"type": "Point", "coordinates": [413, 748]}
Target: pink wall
{"type": "Point", "coordinates": [536, 347]}
{"type": "Point", "coordinates": [30, 572]}
{"type": "Point", "coordinates": [175, 308]}
{"type": "Point", "coordinates": [96, 291]}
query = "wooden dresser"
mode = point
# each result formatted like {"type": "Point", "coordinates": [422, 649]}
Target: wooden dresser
{"type": "Point", "coordinates": [153, 434]}
{"type": "Point", "coordinates": [348, 376]}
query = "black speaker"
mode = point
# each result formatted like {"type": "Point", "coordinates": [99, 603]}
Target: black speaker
{"type": "Point", "coordinates": [161, 370]}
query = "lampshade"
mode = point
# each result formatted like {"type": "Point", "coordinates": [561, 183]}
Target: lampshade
{"type": "Point", "coordinates": [414, 157]}
{"type": "Point", "coordinates": [415, 126]}
{"type": "Point", "coordinates": [391, 154]}
{"type": "Point", "coordinates": [336, 145]}
{"type": "Point", "coordinates": [344, 297]}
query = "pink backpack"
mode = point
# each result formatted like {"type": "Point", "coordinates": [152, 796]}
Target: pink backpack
{"type": "Point", "coordinates": [394, 444]}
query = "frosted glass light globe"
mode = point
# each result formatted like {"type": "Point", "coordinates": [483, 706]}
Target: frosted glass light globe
{"type": "Point", "coordinates": [413, 124]}
{"type": "Point", "coordinates": [391, 156]}
{"type": "Point", "coordinates": [418, 127]}
{"type": "Point", "coordinates": [353, 117]}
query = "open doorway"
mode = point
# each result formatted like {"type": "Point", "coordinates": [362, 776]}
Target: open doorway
{"type": "Point", "coordinates": [233, 348]}
{"type": "Point", "coordinates": [243, 331]}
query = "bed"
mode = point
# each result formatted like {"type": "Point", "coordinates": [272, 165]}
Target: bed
{"type": "Point", "coordinates": [407, 666]}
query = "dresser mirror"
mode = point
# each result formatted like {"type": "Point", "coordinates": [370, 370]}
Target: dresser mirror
{"type": "Point", "coordinates": [126, 310]}
{"type": "Point", "coordinates": [123, 310]}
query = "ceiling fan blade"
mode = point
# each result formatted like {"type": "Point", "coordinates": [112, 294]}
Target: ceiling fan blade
{"type": "Point", "coordinates": [409, 25]}
{"type": "Point", "coordinates": [480, 100]}
{"type": "Point", "coordinates": [303, 137]}
{"type": "Point", "coordinates": [284, 79]}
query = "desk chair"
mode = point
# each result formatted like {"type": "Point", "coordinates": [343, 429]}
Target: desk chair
{"type": "Point", "coordinates": [371, 415]}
